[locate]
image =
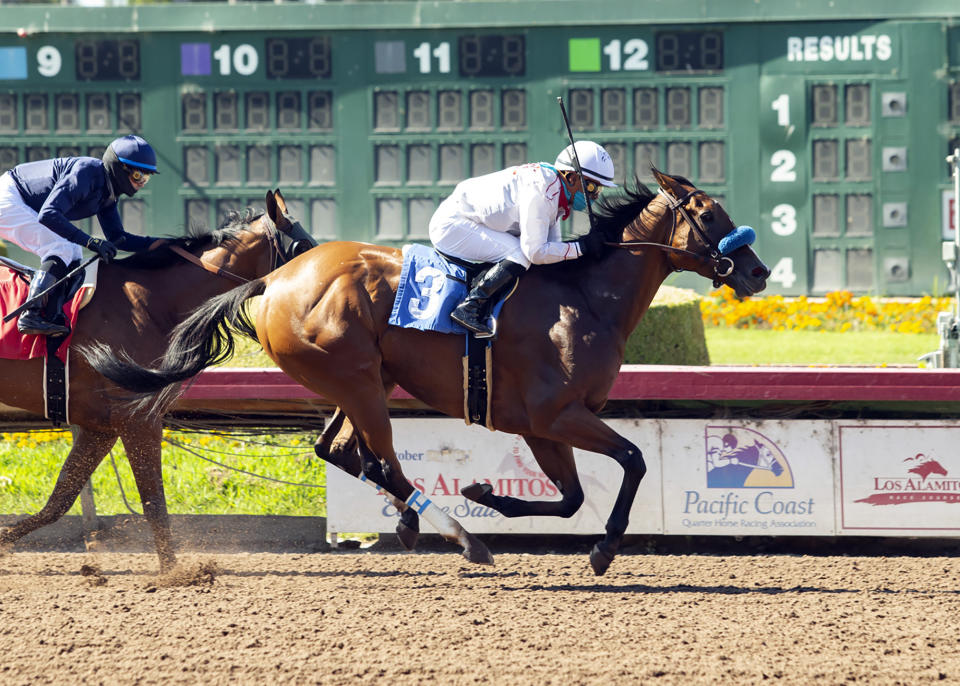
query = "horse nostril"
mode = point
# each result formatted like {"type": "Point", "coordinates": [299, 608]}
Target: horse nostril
{"type": "Point", "coordinates": [760, 272]}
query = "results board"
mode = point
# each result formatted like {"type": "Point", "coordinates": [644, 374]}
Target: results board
{"type": "Point", "coordinates": [827, 135]}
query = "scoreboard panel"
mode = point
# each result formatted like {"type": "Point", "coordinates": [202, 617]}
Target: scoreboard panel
{"type": "Point", "coordinates": [256, 110]}
{"type": "Point", "coordinates": [828, 135]}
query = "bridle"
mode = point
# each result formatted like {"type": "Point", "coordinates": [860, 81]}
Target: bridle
{"type": "Point", "coordinates": [721, 265]}
{"type": "Point", "coordinates": [284, 248]}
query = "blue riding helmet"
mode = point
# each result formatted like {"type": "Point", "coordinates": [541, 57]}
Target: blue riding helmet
{"type": "Point", "coordinates": [124, 154]}
{"type": "Point", "coordinates": [134, 151]}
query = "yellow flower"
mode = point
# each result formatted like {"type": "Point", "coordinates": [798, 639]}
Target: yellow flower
{"type": "Point", "coordinates": [836, 311]}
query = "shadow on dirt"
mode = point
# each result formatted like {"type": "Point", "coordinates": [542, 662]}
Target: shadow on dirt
{"type": "Point", "coordinates": [824, 546]}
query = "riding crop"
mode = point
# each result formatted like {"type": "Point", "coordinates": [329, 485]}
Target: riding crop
{"type": "Point", "coordinates": [576, 162]}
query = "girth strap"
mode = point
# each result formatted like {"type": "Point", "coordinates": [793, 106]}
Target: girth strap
{"type": "Point", "coordinates": [56, 384]}
{"type": "Point", "coordinates": [478, 381]}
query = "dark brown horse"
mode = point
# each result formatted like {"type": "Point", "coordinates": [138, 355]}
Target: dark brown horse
{"type": "Point", "coordinates": [323, 319]}
{"type": "Point", "coordinates": [138, 302]}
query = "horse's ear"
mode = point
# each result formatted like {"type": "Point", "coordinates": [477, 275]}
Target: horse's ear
{"type": "Point", "coordinates": [667, 183]}
{"type": "Point", "coordinates": [271, 206]}
{"type": "Point", "coordinates": [281, 203]}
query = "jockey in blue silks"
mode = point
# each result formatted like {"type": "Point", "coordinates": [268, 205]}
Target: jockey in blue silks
{"type": "Point", "coordinates": [38, 200]}
{"type": "Point", "coordinates": [511, 217]}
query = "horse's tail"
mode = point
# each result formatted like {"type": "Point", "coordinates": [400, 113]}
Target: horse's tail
{"type": "Point", "coordinates": [204, 338]}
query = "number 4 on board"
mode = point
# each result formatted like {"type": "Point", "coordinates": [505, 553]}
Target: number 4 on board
{"type": "Point", "coordinates": [783, 273]}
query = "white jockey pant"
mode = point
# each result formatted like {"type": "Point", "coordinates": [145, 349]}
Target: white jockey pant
{"type": "Point", "coordinates": [456, 235]}
{"type": "Point", "coordinates": [19, 224]}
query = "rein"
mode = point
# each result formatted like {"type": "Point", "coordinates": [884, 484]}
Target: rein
{"type": "Point", "coordinates": [220, 271]}
{"type": "Point", "coordinates": [722, 265]}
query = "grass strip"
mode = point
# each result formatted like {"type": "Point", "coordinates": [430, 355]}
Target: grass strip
{"type": "Point", "coordinates": [30, 461]}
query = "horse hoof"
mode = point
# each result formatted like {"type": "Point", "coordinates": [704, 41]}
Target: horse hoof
{"type": "Point", "coordinates": [408, 537]}
{"type": "Point", "coordinates": [476, 492]}
{"type": "Point", "coordinates": [600, 560]}
{"type": "Point", "coordinates": [476, 552]}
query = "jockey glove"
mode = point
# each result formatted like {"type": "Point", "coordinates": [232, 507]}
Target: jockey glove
{"type": "Point", "coordinates": [105, 249]}
{"type": "Point", "coordinates": [591, 243]}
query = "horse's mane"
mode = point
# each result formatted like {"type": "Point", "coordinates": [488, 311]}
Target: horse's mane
{"type": "Point", "coordinates": [198, 237]}
{"type": "Point", "coordinates": [613, 212]}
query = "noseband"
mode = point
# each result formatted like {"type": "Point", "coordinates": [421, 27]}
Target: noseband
{"type": "Point", "coordinates": [721, 265]}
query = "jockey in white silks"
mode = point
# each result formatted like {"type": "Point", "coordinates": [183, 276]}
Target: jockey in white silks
{"type": "Point", "coordinates": [512, 218]}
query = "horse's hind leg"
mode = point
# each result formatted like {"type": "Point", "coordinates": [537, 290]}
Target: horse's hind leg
{"type": "Point", "coordinates": [372, 421]}
{"type": "Point", "coordinates": [143, 446]}
{"type": "Point", "coordinates": [338, 445]}
{"type": "Point", "coordinates": [89, 448]}
{"type": "Point", "coordinates": [556, 461]}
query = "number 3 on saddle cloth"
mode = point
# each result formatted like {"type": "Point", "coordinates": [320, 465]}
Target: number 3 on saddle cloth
{"type": "Point", "coordinates": [14, 285]}
{"type": "Point", "coordinates": [430, 287]}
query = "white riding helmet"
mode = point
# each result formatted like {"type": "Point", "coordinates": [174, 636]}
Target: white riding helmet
{"type": "Point", "coordinates": [595, 162]}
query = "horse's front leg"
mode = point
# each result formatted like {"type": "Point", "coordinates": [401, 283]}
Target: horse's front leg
{"type": "Point", "coordinates": [556, 461]}
{"type": "Point", "coordinates": [143, 446]}
{"type": "Point", "coordinates": [580, 428]}
{"type": "Point", "coordinates": [89, 448]}
{"type": "Point", "coordinates": [338, 445]}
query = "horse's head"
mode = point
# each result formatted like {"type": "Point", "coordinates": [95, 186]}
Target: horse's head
{"type": "Point", "coordinates": [706, 241]}
{"type": "Point", "coordinates": [294, 240]}
{"type": "Point", "coordinates": [248, 245]}
{"type": "Point", "coordinates": [284, 237]}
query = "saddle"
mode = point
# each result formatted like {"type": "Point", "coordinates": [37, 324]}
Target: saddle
{"type": "Point", "coordinates": [431, 285]}
{"type": "Point", "coordinates": [86, 279]}
{"type": "Point", "coordinates": [14, 345]}
{"type": "Point", "coordinates": [473, 269]}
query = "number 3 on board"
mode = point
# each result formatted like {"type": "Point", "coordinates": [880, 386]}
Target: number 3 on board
{"type": "Point", "coordinates": [785, 220]}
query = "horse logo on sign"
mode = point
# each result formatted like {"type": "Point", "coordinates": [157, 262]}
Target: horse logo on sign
{"type": "Point", "coordinates": [926, 467]}
{"type": "Point", "coordinates": [924, 487]}
{"type": "Point", "coordinates": [738, 457]}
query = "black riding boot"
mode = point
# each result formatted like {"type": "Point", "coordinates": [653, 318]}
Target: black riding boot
{"type": "Point", "coordinates": [474, 312]}
{"type": "Point", "coordinates": [35, 320]}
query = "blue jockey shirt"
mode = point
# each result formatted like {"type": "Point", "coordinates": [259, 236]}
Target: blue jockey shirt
{"type": "Point", "coordinates": [71, 188]}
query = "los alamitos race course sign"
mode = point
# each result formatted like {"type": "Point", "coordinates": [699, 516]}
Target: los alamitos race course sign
{"type": "Point", "coordinates": [899, 479]}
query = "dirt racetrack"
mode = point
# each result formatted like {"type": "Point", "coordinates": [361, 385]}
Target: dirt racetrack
{"type": "Point", "coordinates": [392, 618]}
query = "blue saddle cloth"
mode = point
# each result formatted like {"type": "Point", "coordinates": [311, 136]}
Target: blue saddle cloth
{"type": "Point", "coordinates": [430, 287]}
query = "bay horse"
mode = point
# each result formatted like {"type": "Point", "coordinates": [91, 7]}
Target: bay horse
{"type": "Point", "coordinates": [323, 319]}
{"type": "Point", "coordinates": [138, 302]}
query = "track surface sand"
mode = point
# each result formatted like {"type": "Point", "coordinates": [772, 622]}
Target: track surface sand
{"type": "Point", "coordinates": [389, 618]}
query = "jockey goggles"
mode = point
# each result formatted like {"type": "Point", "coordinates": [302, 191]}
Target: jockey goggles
{"type": "Point", "coordinates": [591, 187]}
{"type": "Point", "coordinates": [137, 175]}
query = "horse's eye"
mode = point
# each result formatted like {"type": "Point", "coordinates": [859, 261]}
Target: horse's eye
{"type": "Point", "coordinates": [707, 216]}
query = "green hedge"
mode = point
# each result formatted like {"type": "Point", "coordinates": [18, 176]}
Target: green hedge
{"type": "Point", "coordinates": [671, 332]}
